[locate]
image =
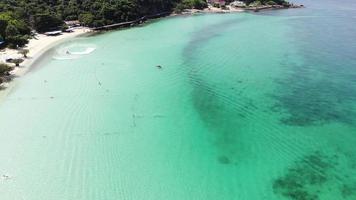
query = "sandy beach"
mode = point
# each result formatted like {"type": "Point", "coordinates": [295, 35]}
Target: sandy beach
{"type": "Point", "coordinates": [36, 46]}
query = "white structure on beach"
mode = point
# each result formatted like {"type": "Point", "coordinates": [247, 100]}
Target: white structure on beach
{"type": "Point", "coordinates": [53, 33]}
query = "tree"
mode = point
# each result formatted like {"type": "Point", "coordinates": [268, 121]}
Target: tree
{"type": "Point", "coordinates": [4, 68]}
{"type": "Point", "coordinates": [3, 25]}
{"type": "Point", "coordinates": [46, 22]}
{"type": "Point", "coordinates": [86, 19]}
{"type": "Point", "coordinates": [11, 31]}
{"type": "Point", "coordinates": [17, 41]}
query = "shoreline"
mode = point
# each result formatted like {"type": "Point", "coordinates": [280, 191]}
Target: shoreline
{"type": "Point", "coordinates": [37, 46]}
{"type": "Point", "coordinates": [41, 43]}
{"type": "Point", "coordinates": [232, 9]}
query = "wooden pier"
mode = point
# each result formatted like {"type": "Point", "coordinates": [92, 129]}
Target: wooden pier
{"type": "Point", "coordinates": [130, 23]}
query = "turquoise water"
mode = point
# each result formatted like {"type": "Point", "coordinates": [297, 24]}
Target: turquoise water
{"type": "Point", "coordinates": [245, 106]}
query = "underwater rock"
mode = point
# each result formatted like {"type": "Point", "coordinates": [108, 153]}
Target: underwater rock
{"type": "Point", "coordinates": [303, 181]}
{"type": "Point", "coordinates": [224, 160]}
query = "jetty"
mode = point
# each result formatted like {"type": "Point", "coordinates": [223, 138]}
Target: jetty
{"type": "Point", "coordinates": [131, 23]}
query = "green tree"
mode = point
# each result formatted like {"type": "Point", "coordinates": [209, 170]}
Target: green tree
{"type": "Point", "coordinates": [86, 19]}
{"type": "Point", "coordinates": [11, 31]}
{"type": "Point", "coordinates": [17, 41]}
{"type": "Point", "coordinates": [3, 25]}
{"type": "Point", "coordinates": [46, 22]}
{"type": "Point", "coordinates": [4, 68]}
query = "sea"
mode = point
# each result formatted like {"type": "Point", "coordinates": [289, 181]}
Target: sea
{"type": "Point", "coordinates": [238, 106]}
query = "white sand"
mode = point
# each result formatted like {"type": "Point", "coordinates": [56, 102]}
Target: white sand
{"type": "Point", "coordinates": [36, 46]}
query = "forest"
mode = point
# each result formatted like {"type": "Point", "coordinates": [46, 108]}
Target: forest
{"type": "Point", "coordinates": [19, 17]}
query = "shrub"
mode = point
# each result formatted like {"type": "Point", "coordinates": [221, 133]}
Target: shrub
{"type": "Point", "coordinates": [11, 30]}
{"type": "Point", "coordinates": [86, 19]}
{"type": "Point", "coordinates": [4, 68]}
{"type": "Point", "coordinates": [255, 3]}
{"type": "Point", "coordinates": [47, 22]}
{"type": "Point", "coordinates": [190, 4]}
{"type": "Point", "coordinates": [64, 27]}
{"type": "Point", "coordinates": [179, 8]}
{"type": "Point", "coordinates": [271, 3]}
{"type": "Point", "coordinates": [17, 41]}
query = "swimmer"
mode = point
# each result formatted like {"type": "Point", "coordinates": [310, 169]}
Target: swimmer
{"type": "Point", "coordinates": [6, 177]}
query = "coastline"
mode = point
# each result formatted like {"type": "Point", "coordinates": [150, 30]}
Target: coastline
{"type": "Point", "coordinates": [232, 9]}
{"type": "Point", "coordinates": [37, 46]}
{"type": "Point", "coordinates": [41, 43]}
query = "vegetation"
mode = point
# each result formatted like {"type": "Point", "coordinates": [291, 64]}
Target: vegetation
{"type": "Point", "coordinates": [190, 4]}
{"type": "Point", "coordinates": [13, 29]}
{"type": "Point", "coordinates": [19, 17]}
{"type": "Point", "coordinates": [265, 2]}
{"type": "Point", "coordinates": [4, 69]}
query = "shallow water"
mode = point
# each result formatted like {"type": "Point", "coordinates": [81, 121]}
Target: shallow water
{"type": "Point", "coordinates": [245, 106]}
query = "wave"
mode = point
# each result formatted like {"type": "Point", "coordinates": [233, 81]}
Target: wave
{"type": "Point", "coordinates": [85, 52]}
{"type": "Point", "coordinates": [73, 51]}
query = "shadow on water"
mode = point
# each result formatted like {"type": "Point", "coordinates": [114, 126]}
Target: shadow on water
{"type": "Point", "coordinates": [218, 110]}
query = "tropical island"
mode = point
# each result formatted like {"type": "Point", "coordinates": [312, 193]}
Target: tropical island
{"type": "Point", "coordinates": [23, 21]}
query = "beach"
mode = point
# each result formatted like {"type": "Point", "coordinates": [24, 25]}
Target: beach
{"type": "Point", "coordinates": [36, 46]}
{"type": "Point", "coordinates": [242, 106]}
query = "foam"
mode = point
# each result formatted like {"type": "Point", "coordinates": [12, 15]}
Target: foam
{"type": "Point", "coordinates": [73, 51]}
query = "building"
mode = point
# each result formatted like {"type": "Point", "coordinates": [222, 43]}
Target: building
{"type": "Point", "coordinates": [53, 33]}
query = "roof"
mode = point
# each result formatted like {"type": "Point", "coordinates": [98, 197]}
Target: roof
{"type": "Point", "coordinates": [72, 22]}
{"type": "Point", "coordinates": [53, 33]}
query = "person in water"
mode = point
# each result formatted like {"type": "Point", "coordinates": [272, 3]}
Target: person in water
{"type": "Point", "coordinates": [159, 66]}
{"type": "Point", "coordinates": [67, 52]}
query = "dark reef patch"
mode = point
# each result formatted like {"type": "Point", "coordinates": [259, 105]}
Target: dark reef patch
{"type": "Point", "coordinates": [348, 191]}
{"type": "Point", "coordinates": [220, 107]}
{"type": "Point", "coordinates": [205, 34]}
{"type": "Point", "coordinates": [315, 174]}
{"type": "Point", "coordinates": [315, 94]}
{"type": "Point", "coordinates": [224, 160]}
{"type": "Point", "coordinates": [318, 81]}
{"type": "Point", "coordinates": [303, 180]}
